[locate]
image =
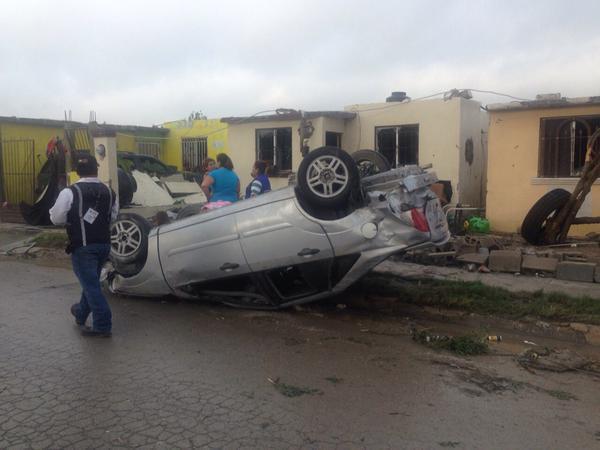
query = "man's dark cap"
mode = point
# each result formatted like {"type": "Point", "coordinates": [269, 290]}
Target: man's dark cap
{"type": "Point", "coordinates": [86, 165]}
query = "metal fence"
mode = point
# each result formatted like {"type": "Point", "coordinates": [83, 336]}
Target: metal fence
{"type": "Point", "coordinates": [17, 170]}
{"type": "Point", "coordinates": [194, 151]}
{"type": "Point", "coordinates": [149, 148]}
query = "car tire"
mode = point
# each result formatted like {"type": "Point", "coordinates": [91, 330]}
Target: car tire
{"type": "Point", "coordinates": [547, 206]}
{"type": "Point", "coordinates": [126, 188]}
{"type": "Point", "coordinates": [129, 241]}
{"type": "Point", "coordinates": [189, 211]}
{"type": "Point", "coordinates": [327, 176]}
{"type": "Point", "coordinates": [370, 162]}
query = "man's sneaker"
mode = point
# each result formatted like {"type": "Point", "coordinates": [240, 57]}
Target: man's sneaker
{"type": "Point", "coordinates": [87, 331]}
{"type": "Point", "coordinates": [74, 310]}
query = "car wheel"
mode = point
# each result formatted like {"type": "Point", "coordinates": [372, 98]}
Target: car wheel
{"type": "Point", "coordinates": [327, 176]}
{"type": "Point", "coordinates": [370, 162]}
{"type": "Point", "coordinates": [126, 188]}
{"type": "Point", "coordinates": [189, 211]}
{"type": "Point", "coordinates": [545, 208]}
{"type": "Point", "coordinates": [129, 241]}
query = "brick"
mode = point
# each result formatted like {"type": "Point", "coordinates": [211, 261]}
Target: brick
{"type": "Point", "coordinates": [473, 258]}
{"type": "Point", "coordinates": [575, 271]}
{"type": "Point", "coordinates": [505, 261]}
{"type": "Point", "coordinates": [539, 264]}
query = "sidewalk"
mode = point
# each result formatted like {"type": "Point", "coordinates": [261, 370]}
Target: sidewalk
{"type": "Point", "coordinates": [513, 283]}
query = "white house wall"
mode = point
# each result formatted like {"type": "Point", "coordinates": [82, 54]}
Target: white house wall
{"type": "Point", "coordinates": [439, 131]}
{"type": "Point", "coordinates": [472, 182]}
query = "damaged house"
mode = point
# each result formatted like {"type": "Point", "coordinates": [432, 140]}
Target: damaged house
{"type": "Point", "coordinates": [449, 133]}
{"type": "Point", "coordinates": [535, 147]}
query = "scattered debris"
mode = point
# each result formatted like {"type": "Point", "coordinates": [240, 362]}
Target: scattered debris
{"type": "Point", "coordinates": [494, 338]}
{"type": "Point", "coordinates": [361, 341]}
{"type": "Point", "coordinates": [461, 345]}
{"type": "Point", "coordinates": [529, 343]}
{"type": "Point", "coordinates": [289, 390]}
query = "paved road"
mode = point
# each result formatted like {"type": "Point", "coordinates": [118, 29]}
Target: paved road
{"type": "Point", "coordinates": [183, 375]}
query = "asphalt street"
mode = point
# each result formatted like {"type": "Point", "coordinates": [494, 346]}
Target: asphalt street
{"type": "Point", "coordinates": [197, 375]}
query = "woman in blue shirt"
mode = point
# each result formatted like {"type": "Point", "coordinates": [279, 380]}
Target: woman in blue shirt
{"type": "Point", "coordinates": [222, 184]}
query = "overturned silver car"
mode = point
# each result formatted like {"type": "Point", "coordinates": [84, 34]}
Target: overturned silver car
{"type": "Point", "coordinates": [293, 245]}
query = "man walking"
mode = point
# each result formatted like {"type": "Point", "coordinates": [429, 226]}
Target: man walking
{"type": "Point", "coordinates": [87, 209]}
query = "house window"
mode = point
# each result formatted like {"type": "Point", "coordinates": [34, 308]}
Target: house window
{"type": "Point", "coordinates": [274, 146]}
{"type": "Point", "coordinates": [193, 153]}
{"type": "Point", "coordinates": [399, 144]}
{"type": "Point", "coordinates": [149, 148]}
{"type": "Point", "coordinates": [333, 139]}
{"type": "Point", "coordinates": [563, 145]}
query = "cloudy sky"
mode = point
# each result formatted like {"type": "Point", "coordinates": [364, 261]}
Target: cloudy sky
{"type": "Point", "coordinates": [147, 62]}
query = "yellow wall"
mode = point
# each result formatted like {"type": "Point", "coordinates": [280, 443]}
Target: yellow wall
{"type": "Point", "coordinates": [513, 185]}
{"type": "Point", "coordinates": [40, 136]}
{"type": "Point", "coordinates": [126, 142]}
{"type": "Point", "coordinates": [214, 130]}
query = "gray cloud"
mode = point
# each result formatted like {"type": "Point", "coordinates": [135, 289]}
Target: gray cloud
{"type": "Point", "coordinates": [146, 62]}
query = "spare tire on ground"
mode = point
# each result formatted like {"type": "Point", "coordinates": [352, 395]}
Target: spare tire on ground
{"type": "Point", "coordinates": [327, 176]}
{"type": "Point", "coordinates": [129, 243]}
{"type": "Point", "coordinates": [545, 208]}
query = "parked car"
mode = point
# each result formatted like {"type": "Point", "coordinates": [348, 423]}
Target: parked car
{"type": "Point", "coordinates": [144, 163]}
{"type": "Point", "coordinates": [292, 245]}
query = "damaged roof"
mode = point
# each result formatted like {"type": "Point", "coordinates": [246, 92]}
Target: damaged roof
{"type": "Point", "coordinates": [290, 115]}
{"type": "Point", "coordinates": [62, 123]}
{"type": "Point", "coordinates": [545, 101]}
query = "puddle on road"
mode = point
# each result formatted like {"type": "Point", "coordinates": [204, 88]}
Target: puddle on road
{"type": "Point", "coordinates": [478, 382]}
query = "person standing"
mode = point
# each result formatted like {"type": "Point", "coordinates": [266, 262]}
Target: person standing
{"type": "Point", "coordinates": [222, 183]}
{"type": "Point", "coordinates": [260, 181]}
{"type": "Point", "coordinates": [86, 209]}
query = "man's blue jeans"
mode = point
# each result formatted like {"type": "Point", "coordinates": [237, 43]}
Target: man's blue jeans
{"type": "Point", "coordinates": [87, 264]}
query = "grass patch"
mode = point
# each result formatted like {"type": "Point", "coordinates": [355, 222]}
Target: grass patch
{"type": "Point", "coordinates": [334, 380]}
{"type": "Point", "coordinates": [478, 298]}
{"type": "Point", "coordinates": [51, 239]}
{"type": "Point", "coordinates": [561, 395]}
{"type": "Point", "coordinates": [449, 444]}
{"type": "Point", "coordinates": [290, 390]}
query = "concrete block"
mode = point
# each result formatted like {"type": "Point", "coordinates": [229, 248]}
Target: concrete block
{"type": "Point", "coordinates": [473, 258]}
{"type": "Point", "coordinates": [464, 249]}
{"type": "Point", "coordinates": [576, 271]}
{"type": "Point", "coordinates": [505, 261]}
{"type": "Point", "coordinates": [534, 263]}
{"type": "Point", "coordinates": [593, 335]}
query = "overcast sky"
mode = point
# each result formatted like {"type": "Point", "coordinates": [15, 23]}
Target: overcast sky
{"type": "Point", "coordinates": [147, 62]}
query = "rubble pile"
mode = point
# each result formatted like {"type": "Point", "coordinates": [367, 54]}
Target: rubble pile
{"type": "Point", "coordinates": [485, 253]}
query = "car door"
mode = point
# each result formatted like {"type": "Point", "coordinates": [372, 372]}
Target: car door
{"type": "Point", "coordinates": [277, 234]}
{"type": "Point", "coordinates": [195, 250]}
